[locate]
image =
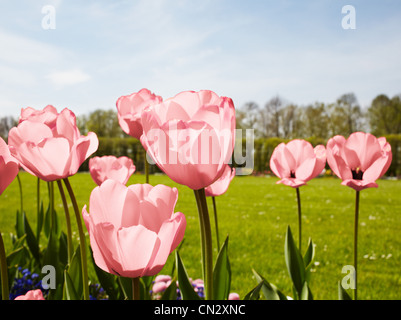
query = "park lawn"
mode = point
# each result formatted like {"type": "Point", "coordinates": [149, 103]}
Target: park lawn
{"type": "Point", "coordinates": [255, 213]}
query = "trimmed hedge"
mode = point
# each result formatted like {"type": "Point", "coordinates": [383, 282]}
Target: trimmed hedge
{"type": "Point", "coordinates": [263, 149]}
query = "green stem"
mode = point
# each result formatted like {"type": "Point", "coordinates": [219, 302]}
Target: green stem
{"type": "Point", "coordinates": [135, 289]}
{"type": "Point", "coordinates": [82, 240]}
{"type": "Point", "coordinates": [67, 220]}
{"type": "Point", "coordinates": [4, 271]}
{"type": "Point", "coordinates": [216, 222]}
{"type": "Point", "coordinates": [38, 214]}
{"type": "Point", "coordinates": [20, 192]}
{"type": "Point", "coordinates": [146, 168]}
{"type": "Point", "coordinates": [299, 220]}
{"type": "Point", "coordinates": [206, 242]}
{"type": "Point", "coordinates": [356, 241]}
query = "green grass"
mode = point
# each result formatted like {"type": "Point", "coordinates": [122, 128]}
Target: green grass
{"type": "Point", "coordinates": [255, 213]}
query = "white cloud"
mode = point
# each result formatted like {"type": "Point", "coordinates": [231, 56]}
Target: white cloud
{"type": "Point", "coordinates": [69, 77]}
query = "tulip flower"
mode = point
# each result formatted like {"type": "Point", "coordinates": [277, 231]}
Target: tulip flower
{"type": "Point", "coordinates": [129, 109]}
{"type": "Point", "coordinates": [191, 138]}
{"type": "Point", "coordinates": [48, 144]}
{"type": "Point", "coordinates": [111, 167]}
{"type": "Point", "coordinates": [9, 166]}
{"type": "Point", "coordinates": [359, 161]}
{"type": "Point", "coordinates": [133, 229]}
{"type": "Point", "coordinates": [295, 163]}
{"type": "Point", "coordinates": [218, 188]}
{"type": "Point", "coordinates": [31, 295]}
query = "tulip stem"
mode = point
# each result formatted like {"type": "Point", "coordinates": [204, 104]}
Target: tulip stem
{"type": "Point", "coordinates": [20, 192]}
{"type": "Point", "coordinates": [356, 241]}
{"type": "Point", "coordinates": [215, 222]}
{"type": "Point", "coordinates": [299, 220]}
{"type": "Point", "coordinates": [67, 220]}
{"type": "Point", "coordinates": [206, 242]}
{"type": "Point", "coordinates": [85, 282]}
{"type": "Point", "coordinates": [4, 271]}
{"type": "Point", "coordinates": [135, 289]}
{"type": "Point", "coordinates": [146, 168]}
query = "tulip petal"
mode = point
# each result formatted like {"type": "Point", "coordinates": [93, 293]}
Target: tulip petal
{"type": "Point", "coordinates": [136, 258]}
{"type": "Point", "coordinates": [171, 234]}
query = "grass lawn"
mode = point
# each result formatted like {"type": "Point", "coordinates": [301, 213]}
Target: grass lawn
{"type": "Point", "coordinates": [255, 213]}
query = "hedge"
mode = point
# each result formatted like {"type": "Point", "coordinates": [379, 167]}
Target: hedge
{"type": "Point", "coordinates": [263, 149]}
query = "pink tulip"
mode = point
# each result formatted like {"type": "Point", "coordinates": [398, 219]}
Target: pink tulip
{"type": "Point", "coordinates": [233, 296]}
{"type": "Point", "coordinates": [220, 186]}
{"type": "Point", "coordinates": [133, 229]}
{"type": "Point", "coordinates": [190, 136]}
{"type": "Point", "coordinates": [31, 295]}
{"type": "Point", "coordinates": [129, 110]}
{"type": "Point", "coordinates": [48, 144]}
{"type": "Point", "coordinates": [111, 167]}
{"type": "Point", "coordinates": [9, 166]}
{"type": "Point", "coordinates": [359, 160]}
{"type": "Point", "coordinates": [297, 162]}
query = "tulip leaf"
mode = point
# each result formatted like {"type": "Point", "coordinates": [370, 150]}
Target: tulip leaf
{"type": "Point", "coordinates": [294, 261]}
{"type": "Point", "coordinates": [75, 272]}
{"type": "Point", "coordinates": [19, 224]}
{"type": "Point", "coordinates": [39, 221]}
{"type": "Point", "coordinates": [69, 292]}
{"type": "Point", "coordinates": [107, 281]}
{"type": "Point", "coordinates": [269, 290]}
{"type": "Point", "coordinates": [186, 288]}
{"type": "Point", "coordinates": [309, 254]}
{"type": "Point", "coordinates": [171, 291]}
{"type": "Point", "coordinates": [254, 293]}
{"type": "Point", "coordinates": [222, 274]}
{"type": "Point", "coordinates": [31, 239]}
{"type": "Point", "coordinates": [306, 294]}
{"type": "Point", "coordinates": [342, 294]}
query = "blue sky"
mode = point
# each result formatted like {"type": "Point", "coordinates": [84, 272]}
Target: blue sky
{"type": "Point", "coordinates": [247, 50]}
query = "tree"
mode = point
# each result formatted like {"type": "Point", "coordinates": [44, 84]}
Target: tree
{"type": "Point", "coordinates": [316, 121]}
{"type": "Point", "coordinates": [272, 112]}
{"type": "Point", "coordinates": [104, 123]}
{"type": "Point", "coordinates": [6, 123]}
{"type": "Point", "coordinates": [346, 115]}
{"type": "Point", "coordinates": [385, 115]}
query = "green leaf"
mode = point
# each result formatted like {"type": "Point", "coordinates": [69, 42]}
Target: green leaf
{"type": "Point", "coordinates": [39, 222]}
{"type": "Point", "coordinates": [222, 274]}
{"type": "Point", "coordinates": [294, 261]}
{"type": "Point", "coordinates": [18, 257]}
{"type": "Point", "coordinates": [309, 254]}
{"type": "Point", "coordinates": [126, 286]}
{"type": "Point", "coordinates": [75, 272]}
{"type": "Point", "coordinates": [269, 290]}
{"type": "Point", "coordinates": [342, 294]}
{"type": "Point", "coordinates": [306, 294]}
{"type": "Point", "coordinates": [69, 290]}
{"type": "Point", "coordinates": [186, 288]}
{"type": "Point", "coordinates": [31, 239]}
{"type": "Point", "coordinates": [19, 224]}
{"type": "Point", "coordinates": [107, 280]}
{"type": "Point", "coordinates": [254, 293]}
{"type": "Point", "coordinates": [171, 292]}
